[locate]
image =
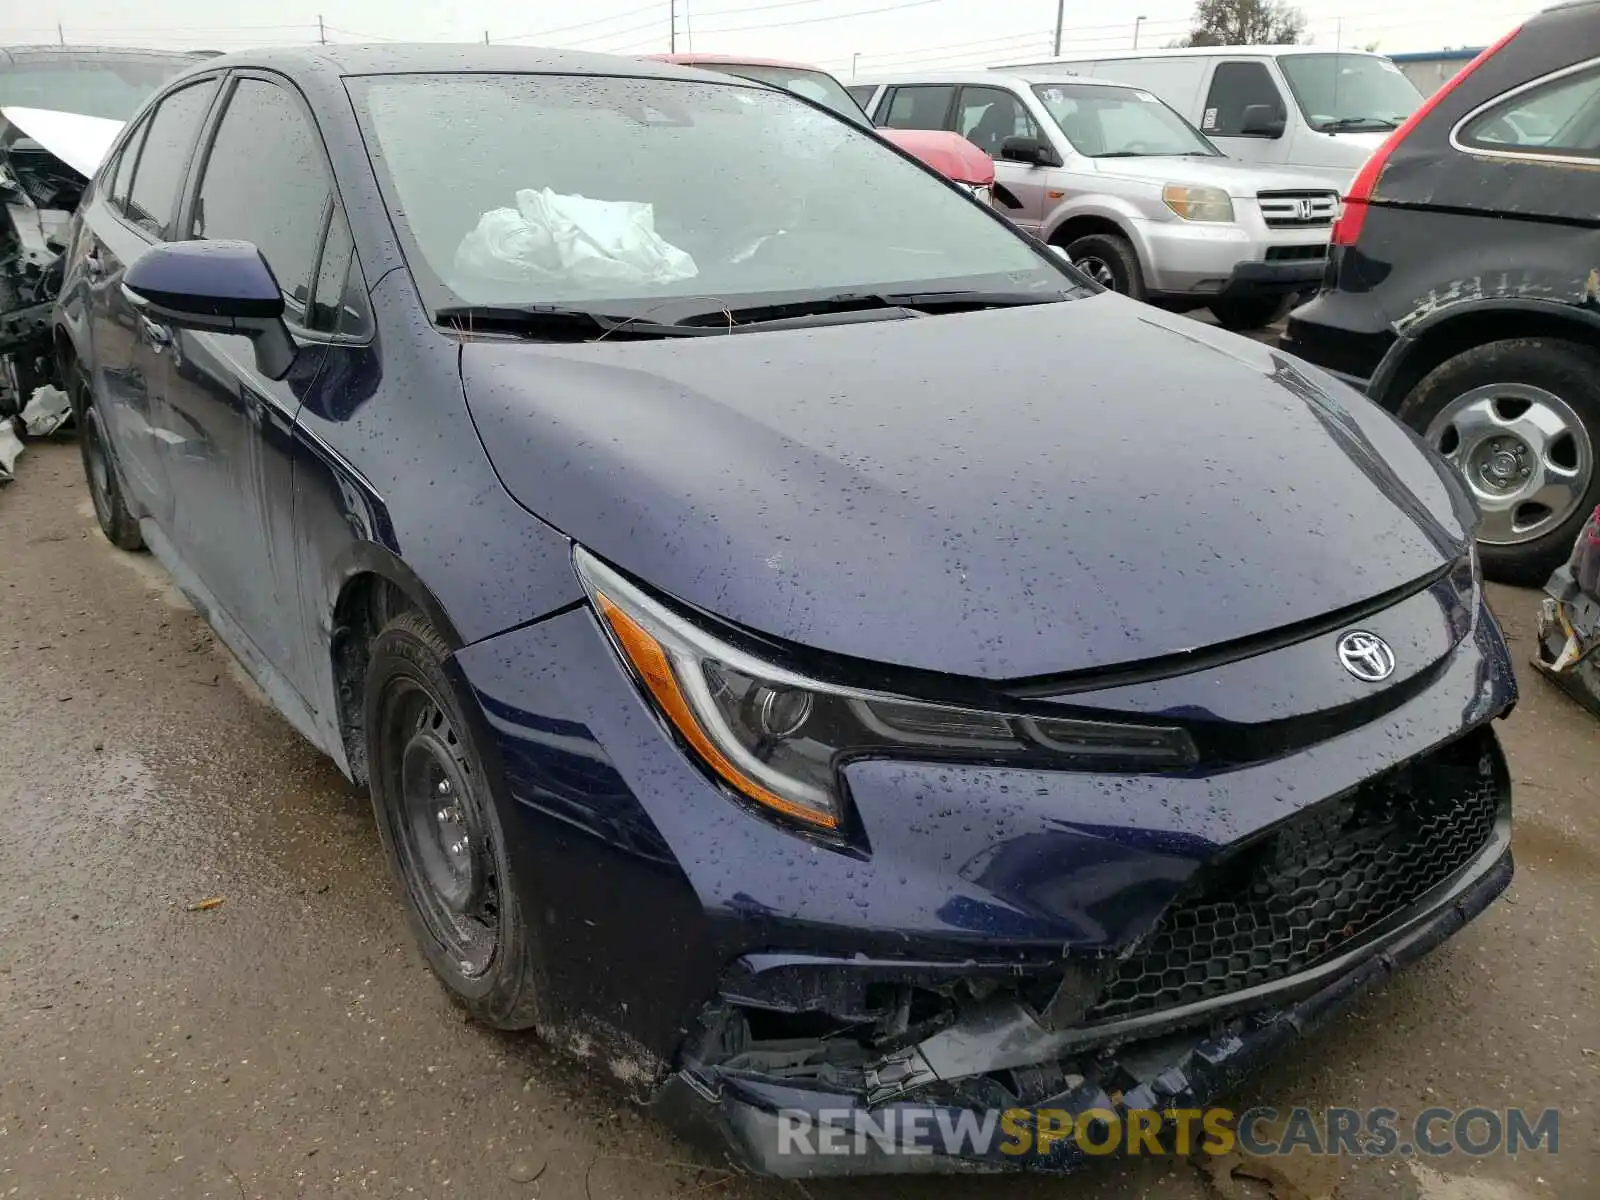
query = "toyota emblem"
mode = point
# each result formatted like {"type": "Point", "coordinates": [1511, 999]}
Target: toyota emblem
{"type": "Point", "coordinates": [1366, 656]}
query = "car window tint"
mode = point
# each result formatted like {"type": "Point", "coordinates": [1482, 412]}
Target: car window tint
{"type": "Point", "coordinates": [920, 107]}
{"type": "Point", "coordinates": [265, 182]}
{"type": "Point", "coordinates": [988, 116]}
{"type": "Point", "coordinates": [334, 269]}
{"type": "Point", "coordinates": [1235, 87]}
{"type": "Point", "coordinates": [165, 155]}
{"type": "Point", "coordinates": [1562, 117]}
{"type": "Point", "coordinates": [862, 93]}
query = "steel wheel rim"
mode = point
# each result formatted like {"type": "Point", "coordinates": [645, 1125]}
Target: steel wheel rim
{"type": "Point", "coordinates": [1098, 269]}
{"type": "Point", "coordinates": [1525, 454]}
{"type": "Point", "coordinates": [447, 862]}
{"type": "Point", "coordinates": [99, 469]}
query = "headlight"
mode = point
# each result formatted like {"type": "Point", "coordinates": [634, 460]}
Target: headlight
{"type": "Point", "coordinates": [1198, 203]}
{"type": "Point", "coordinates": [777, 738]}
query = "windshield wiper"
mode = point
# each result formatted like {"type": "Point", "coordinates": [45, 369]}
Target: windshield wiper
{"type": "Point", "coordinates": [1343, 124]}
{"type": "Point", "coordinates": [567, 324]}
{"type": "Point", "coordinates": [849, 304]}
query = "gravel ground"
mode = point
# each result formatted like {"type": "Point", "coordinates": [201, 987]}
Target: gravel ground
{"type": "Point", "coordinates": [290, 1042]}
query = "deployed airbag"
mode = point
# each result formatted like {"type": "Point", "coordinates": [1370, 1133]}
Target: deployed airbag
{"type": "Point", "coordinates": [550, 236]}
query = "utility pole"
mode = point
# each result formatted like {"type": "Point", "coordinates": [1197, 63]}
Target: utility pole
{"type": "Point", "coordinates": [61, 38]}
{"type": "Point", "coordinates": [1338, 39]}
{"type": "Point", "coordinates": [1061, 8]}
{"type": "Point", "coordinates": [485, 37]}
{"type": "Point", "coordinates": [672, 34]}
{"type": "Point", "coordinates": [1137, 21]}
{"type": "Point", "coordinates": [322, 33]}
{"type": "Point", "coordinates": [854, 58]}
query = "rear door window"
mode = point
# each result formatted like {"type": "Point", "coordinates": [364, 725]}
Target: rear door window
{"type": "Point", "coordinates": [922, 106]}
{"type": "Point", "coordinates": [266, 182]}
{"type": "Point", "coordinates": [1560, 117]}
{"type": "Point", "coordinates": [164, 157]}
{"type": "Point", "coordinates": [987, 116]}
{"type": "Point", "coordinates": [1235, 87]}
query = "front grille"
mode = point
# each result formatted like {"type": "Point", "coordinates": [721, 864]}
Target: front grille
{"type": "Point", "coordinates": [1277, 906]}
{"type": "Point", "coordinates": [1298, 210]}
{"type": "Point", "coordinates": [1297, 253]}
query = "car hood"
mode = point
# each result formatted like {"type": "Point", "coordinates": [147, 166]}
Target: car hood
{"type": "Point", "coordinates": [948, 153]}
{"type": "Point", "coordinates": [78, 141]}
{"type": "Point", "coordinates": [1238, 179]}
{"type": "Point", "coordinates": [1000, 494]}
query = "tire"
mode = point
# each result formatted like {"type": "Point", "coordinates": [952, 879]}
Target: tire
{"type": "Point", "coordinates": [100, 470]}
{"type": "Point", "coordinates": [1255, 313]}
{"type": "Point", "coordinates": [441, 830]}
{"type": "Point", "coordinates": [1109, 260]}
{"type": "Point", "coordinates": [1520, 418]}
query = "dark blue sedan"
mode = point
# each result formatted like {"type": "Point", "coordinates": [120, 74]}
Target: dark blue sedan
{"type": "Point", "coordinates": [808, 649]}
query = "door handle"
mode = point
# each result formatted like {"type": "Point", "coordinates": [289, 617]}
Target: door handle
{"type": "Point", "coordinates": [159, 336]}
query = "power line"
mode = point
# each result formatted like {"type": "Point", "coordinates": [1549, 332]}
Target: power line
{"type": "Point", "coordinates": [973, 45]}
{"type": "Point", "coordinates": [866, 12]}
{"type": "Point", "coordinates": [544, 33]}
{"type": "Point", "coordinates": [751, 8]}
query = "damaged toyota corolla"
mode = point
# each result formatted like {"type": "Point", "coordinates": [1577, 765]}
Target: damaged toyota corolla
{"type": "Point", "coordinates": [808, 649]}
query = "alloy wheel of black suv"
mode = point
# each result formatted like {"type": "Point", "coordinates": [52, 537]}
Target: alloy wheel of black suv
{"type": "Point", "coordinates": [1460, 290]}
{"type": "Point", "coordinates": [1514, 417]}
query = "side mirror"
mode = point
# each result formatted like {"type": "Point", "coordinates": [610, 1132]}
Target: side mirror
{"type": "Point", "coordinates": [1029, 150]}
{"type": "Point", "coordinates": [219, 286]}
{"type": "Point", "coordinates": [1262, 120]}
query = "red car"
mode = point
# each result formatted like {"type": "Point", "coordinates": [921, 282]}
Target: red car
{"type": "Point", "coordinates": [948, 153]}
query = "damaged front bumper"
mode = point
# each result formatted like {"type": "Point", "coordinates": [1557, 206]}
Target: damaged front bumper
{"type": "Point", "coordinates": [786, 1073]}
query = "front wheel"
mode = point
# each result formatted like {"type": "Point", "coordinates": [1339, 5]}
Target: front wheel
{"type": "Point", "coordinates": [441, 830]}
{"type": "Point", "coordinates": [1110, 261]}
{"type": "Point", "coordinates": [1519, 419]}
{"type": "Point", "coordinates": [1257, 312]}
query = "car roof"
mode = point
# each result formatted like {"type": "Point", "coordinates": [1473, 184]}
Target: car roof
{"type": "Point", "coordinates": [1196, 52]}
{"type": "Point", "coordinates": [1023, 78]}
{"type": "Point", "coordinates": [46, 52]}
{"type": "Point", "coordinates": [732, 60]}
{"type": "Point", "coordinates": [428, 58]}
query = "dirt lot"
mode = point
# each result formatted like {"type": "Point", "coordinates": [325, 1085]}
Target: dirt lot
{"type": "Point", "coordinates": [290, 1042]}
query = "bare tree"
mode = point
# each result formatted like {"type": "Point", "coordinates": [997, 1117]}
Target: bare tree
{"type": "Point", "coordinates": [1245, 23]}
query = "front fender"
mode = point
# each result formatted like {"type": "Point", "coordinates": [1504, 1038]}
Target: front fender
{"type": "Point", "coordinates": [1122, 213]}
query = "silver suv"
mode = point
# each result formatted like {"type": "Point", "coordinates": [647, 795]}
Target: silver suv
{"type": "Point", "coordinates": [1133, 193]}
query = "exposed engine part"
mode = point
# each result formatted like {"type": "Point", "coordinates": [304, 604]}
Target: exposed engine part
{"type": "Point", "coordinates": [38, 193]}
{"type": "Point", "coordinates": [1569, 621]}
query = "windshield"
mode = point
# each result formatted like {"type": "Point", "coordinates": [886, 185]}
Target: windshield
{"type": "Point", "coordinates": [94, 85]}
{"type": "Point", "coordinates": [813, 85]}
{"type": "Point", "coordinates": [1342, 93]}
{"type": "Point", "coordinates": [616, 194]}
{"type": "Point", "coordinates": [1118, 122]}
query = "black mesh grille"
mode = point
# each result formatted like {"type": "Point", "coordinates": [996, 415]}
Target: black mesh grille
{"type": "Point", "coordinates": [1277, 906]}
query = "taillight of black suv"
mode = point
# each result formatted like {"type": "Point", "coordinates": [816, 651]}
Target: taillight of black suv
{"type": "Point", "coordinates": [1463, 286]}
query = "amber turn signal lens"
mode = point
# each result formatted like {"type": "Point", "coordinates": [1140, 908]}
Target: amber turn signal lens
{"type": "Point", "coordinates": [647, 657]}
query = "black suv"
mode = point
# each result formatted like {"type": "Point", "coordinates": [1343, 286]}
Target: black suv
{"type": "Point", "coordinates": [1463, 287]}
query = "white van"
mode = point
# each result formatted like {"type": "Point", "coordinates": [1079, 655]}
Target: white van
{"type": "Point", "coordinates": [1300, 107]}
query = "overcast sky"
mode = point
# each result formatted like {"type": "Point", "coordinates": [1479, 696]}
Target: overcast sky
{"type": "Point", "coordinates": [887, 34]}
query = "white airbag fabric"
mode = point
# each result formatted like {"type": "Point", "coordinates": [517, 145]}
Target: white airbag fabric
{"type": "Point", "coordinates": [550, 236]}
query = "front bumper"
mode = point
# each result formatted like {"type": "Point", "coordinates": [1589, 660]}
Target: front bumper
{"type": "Point", "coordinates": [650, 889]}
{"type": "Point", "coordinates": [760, 1117]}
{"type": "Point", "coordinates": [1198, 261]}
